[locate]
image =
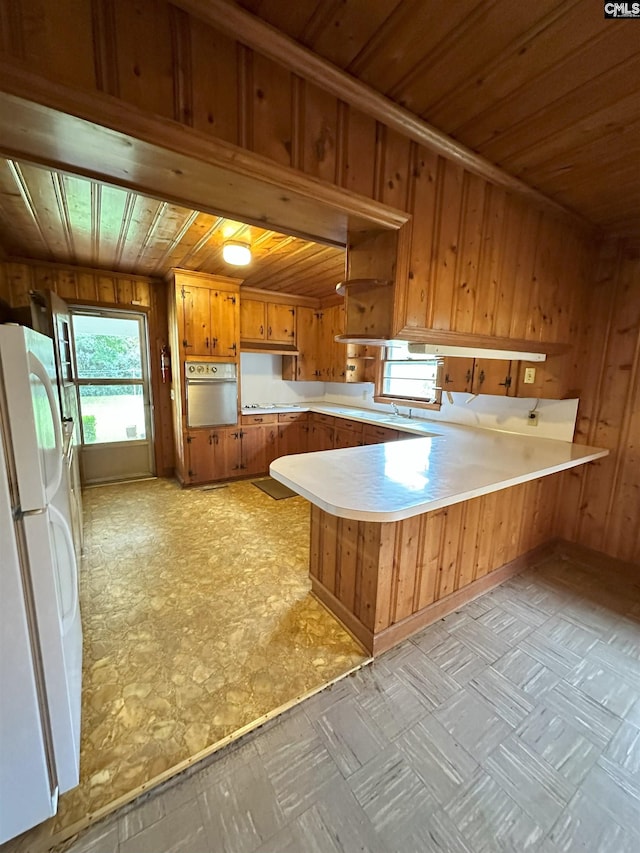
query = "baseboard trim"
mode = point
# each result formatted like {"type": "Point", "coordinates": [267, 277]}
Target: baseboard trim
{"type": "Point", "coordinates": [360, 633]}
{"type": "Point", "coordinates": [596, 559]}
{"type": "Point", "coordinates": [395, 634]}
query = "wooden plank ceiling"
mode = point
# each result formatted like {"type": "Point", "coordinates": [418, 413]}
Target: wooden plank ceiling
{"type": "Point", "coordinates": [549, 91]}
{"type": "Point", "coordinates": [69, 219]}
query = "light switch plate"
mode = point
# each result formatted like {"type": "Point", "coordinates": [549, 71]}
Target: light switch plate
{"type": "Point", "coordinates": [529, 375]}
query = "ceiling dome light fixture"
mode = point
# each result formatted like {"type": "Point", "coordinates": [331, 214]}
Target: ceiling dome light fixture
{"type": "Point", "coordinates": [236, 253]}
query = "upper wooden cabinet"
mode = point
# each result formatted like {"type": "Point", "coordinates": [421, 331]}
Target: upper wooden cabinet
{"type": "Point", "coordinates": [207, 315]}
{"type": "Point", "coordinates": [271, 322]}
{"type": "Point", "coordinates": [478, 376]}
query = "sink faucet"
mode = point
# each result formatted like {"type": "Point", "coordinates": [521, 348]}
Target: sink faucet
{"type": "Point", "coordinates": [396, 410]}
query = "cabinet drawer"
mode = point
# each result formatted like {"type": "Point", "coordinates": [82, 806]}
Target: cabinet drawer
{"type": "Point", "coordinates": [328, 420]}
{"type": "Point", "coordinates": [351, 426]}
{"type": "Point", "coordinates": [287, 417]}
{"type": "Point", "coordinates": [374, 433]}
{"type": "Point", "coordinates": [259, 419]}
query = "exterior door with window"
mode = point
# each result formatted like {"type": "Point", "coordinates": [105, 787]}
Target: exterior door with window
{"type": "Point", "coordinates": [112, 385]}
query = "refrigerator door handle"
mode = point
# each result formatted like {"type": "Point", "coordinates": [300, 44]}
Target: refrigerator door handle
{"type": "Point", "coordinates": [38, 369]}
{"type": "Point", "coordinates": [59, 521]}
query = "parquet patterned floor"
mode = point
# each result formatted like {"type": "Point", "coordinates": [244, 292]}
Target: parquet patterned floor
{"type": "Point", "coordinates": [510, 725]}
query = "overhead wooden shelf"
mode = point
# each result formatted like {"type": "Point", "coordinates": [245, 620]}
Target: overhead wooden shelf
{"type": "Point", "coordinates": [271, 349]}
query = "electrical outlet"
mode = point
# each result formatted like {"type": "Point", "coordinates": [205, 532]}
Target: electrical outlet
{"type": "Point", "coordinates": [532, 420]}
{"type": "Point", "coordinates": [529, 375]}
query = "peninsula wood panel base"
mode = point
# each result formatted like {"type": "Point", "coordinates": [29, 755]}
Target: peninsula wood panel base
{"type": "Point", "coordinates": [376, 643]}
{"type": "Point", "coordinates": [386, 580]}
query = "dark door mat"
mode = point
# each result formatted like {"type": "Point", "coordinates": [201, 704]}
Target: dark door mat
{"type": "Point", "coordinates": [274, 489]}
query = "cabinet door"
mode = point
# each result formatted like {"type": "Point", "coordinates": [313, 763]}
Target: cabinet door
{"type": "Point", "coordinates": [226, 453]}
{"type": "Point", "coordinates": [281, 323]}
{"type": "Point", "coordinates": [491, 376]}
{"type": "Point", "coordinates": [346, 438]}
{"type": "Point", "coordinates": [307, 321]}
{"type": "Point", "coordinates": [225, 317]}
{"type": "Point", "coordinates": [254, 450]}
{"type": "Point", "coordinates": [196, 338]}
{"type": "Point", "coordinates": [457, 374]}
{"type": "Point", "coordinates": [292, 438]}
{"type": "Point", "coordinates": [253, 324]}
{"type": "Point", "coordinates": [200, 466]}
{"type": "Point", "coordinates": [271, 445]}
{"type": "Point", "coordinates": [321, 437]}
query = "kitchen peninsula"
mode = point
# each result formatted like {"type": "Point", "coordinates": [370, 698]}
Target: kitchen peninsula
{"type": "Point", "coordinates": [404, 532]}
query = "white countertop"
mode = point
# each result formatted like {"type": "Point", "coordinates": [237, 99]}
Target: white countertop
{"type": "Point", "coordinates": [400, 479]}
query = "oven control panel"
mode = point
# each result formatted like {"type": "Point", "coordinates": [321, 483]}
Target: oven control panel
{"type": "Point", "coordinates": [207, 370]}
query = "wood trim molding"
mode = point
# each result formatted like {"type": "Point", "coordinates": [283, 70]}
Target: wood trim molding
{"type": "Point", "coordinates": [277, 297]}
{"type": "Point", "coordinates": [234, 21]}
{"type": "Point", "coordinates": [58, 112]}
{"type": "Point", "coordinates": [464, 339]}
{"type": "Point", "coordinates": [354, 626]}
{"type": "Point", "coordinates": [36, 262]}
{"type": "Point", "coordinates": [394, 634]}
{"type": "Point", "coordinates": [596, 559]}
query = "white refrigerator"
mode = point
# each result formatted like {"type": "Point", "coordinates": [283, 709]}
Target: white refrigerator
{"type": "Point", "coordinates": [40, 628]}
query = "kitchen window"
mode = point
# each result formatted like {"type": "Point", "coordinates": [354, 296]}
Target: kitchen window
{"type": "Point", "coordinates": [405, 376]}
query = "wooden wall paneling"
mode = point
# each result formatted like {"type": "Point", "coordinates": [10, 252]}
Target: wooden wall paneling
{"type": "Point", "coordinates": [367, 585]}
{"type": "Point", "coordinates": [485, 542]}
{"type": "Point", "coordinates": [408, 542]}
{"type": "Point", "coordinates": [272, 113]}
{"type": "Point", "coordinates": [145, 58]}
{"type": "Point", "coordinates": [429, 566]}
{"type": "Point", "coordinates": [180, 24]}
{"type": "Point", "coordinates": [492, 248]}
{"type": "Point", "coordinates": [359, 149]}
{"type": "Point", "coordinates": [385, 575]}
{"type": "Point", "coordinates": [522, 275]}
{"type": "Point", "coordinates": [613, 407]}
{"type": "Point", "coordinates": [514, 223]}
{"type": "Point", "coordinates": [214, 58]}
{"type": "Point", "coordinates": [467, 555]}
{"type": "Point", "coordinates": [320, 134]}
{"type": "Point", "coordinates": [464, 303]}
{"type": "Point", "coordinates": [514, 515]}
{"type": "Point", "coordinates": [395, 169]}
{"type": "Point", "coordinates": [446, 243]}
{"type": "Point", "coordinates": [41, 46]}
{"type": "Point", "coordinates": [449, 552]}
{"type": "Point", "coordinates": [422, 205]}
{"type": "Point", "coordinates": [348, 562]}
{"type": "Point", "coordinates": [5, 289]}
{"type": "Point", "coordinates": [623, 530]}
{"type": "Point", "coordinates": [329, 558]}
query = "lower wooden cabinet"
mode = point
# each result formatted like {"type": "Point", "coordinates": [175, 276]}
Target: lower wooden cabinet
{"type": "Point", "coordinates": [348, 437]}
{"type": "Point", "coordinates": [212, 454]}
{"type": "Point", "coordinates": [321, 432]}
{"type": "Point", "coordinates": [247, 450]}
{"type": "Point", "coordinates": [293, 434]}
{"type": "Point", "coordinates": [376, 435]}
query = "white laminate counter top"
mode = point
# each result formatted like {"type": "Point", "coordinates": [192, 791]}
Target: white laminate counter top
{"type": "Point", "coordinates": [400, 479]}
